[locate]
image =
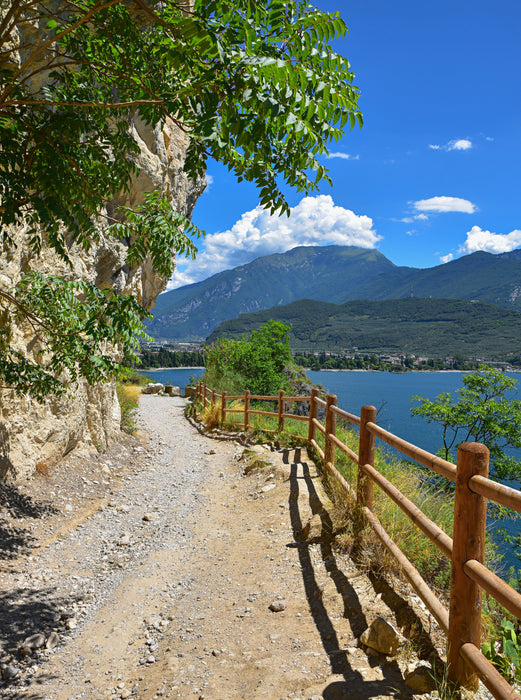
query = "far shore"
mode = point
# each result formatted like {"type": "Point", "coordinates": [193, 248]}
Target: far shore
{"type": "Point", "coordinates": [163, 369]}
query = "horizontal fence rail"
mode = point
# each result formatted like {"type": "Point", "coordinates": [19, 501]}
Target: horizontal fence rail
{"type": "Point", "coordinates": [469, 576]}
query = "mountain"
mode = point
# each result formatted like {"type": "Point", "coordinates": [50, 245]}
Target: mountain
{"type": "Point", "coordinates": [334, 274]}
{"type": "Point", "coordinates": [432, 327]}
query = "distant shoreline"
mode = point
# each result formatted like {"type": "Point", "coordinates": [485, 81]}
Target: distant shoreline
{"type": "Point", "coordinates": [163, 369]}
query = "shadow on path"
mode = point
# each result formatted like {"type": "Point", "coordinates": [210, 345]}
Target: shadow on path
{"type": "Point", "coordinates": [15, 505]}
{"type": "Point", "coordinates": [353, 684]}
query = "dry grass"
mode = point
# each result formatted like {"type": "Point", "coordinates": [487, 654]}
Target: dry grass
{"type": "Point", "coordinates": [128, 397]}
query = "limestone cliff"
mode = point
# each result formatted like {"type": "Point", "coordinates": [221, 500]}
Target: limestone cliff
{"type": "Point", "coordinates": [32, 434]}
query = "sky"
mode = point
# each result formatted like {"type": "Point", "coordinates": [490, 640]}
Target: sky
{"type": "Point", "coordinates": [434, 173]}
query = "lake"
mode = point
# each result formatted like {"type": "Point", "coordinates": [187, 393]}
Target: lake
{"type": "Point", "coordinates": [391, 393]}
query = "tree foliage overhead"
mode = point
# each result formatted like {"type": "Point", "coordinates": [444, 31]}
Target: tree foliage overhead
{"type": "Point", "coordinates": [480, 412]}
{"type": "Point", "coordinates": [255, 84]}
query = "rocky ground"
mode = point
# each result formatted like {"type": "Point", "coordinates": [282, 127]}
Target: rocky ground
{"type": "Point", "coordinates": [161, 569]}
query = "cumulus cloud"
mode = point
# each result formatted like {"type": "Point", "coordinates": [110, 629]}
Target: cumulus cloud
{"type": "Point", "coordinates": [445, 204]}
{"type": "Point", "coordinates": [314, 221]}
{"type": "Point", "coordinates": [478, 239]}
{"type": "Point", "coordinates": [344, 156]}
{"type": "Point", "coordinates": [453, 145]}
{"type": "Point", "coordinates": [447, 258]}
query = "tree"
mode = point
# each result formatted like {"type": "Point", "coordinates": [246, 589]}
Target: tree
{"type": "Point", "coordinates": [255, 84]}
{"type": "Point", "coordinates": [483, 413]}
{"type": "Point", "coordinates": [257, 363]}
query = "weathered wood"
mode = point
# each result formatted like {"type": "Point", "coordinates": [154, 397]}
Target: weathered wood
{"type": "Point", "coordinates": [413, 575]}
{"type": "Point", "coordinates": [318, 449]}
{"type": "Point", "coordinates": [213, 397]}
{"type": "Point", "coordinates": [329, 449]}
{"type": "Point", "coordinates": [293, 416]}
{"type": "Point", "coordinates": [470, 513]}
{"type": "Point", "coordinates": [364, 489]}
{"type": "Point", "coordinates": [319, 425]}
{"type": "Point", "coordinates": [422, 522]}
{"type": "Point", "coordinates": [246, 409]}
{"type": "Point", "coordinates": [345, 449]}
{"type": "Point", "coordinates": [349, 417]}
{"type": "Point", "coordinates": [223, 407]}
{"type": "Point", "coordinates": [492, 679]}
{"type": "Point", "coordinates": [258, 412]}
{"type": "Point", "coordinates": [437, 464]}
{"type": "Point", "coordinates": [499, 589]}
{"type": "Point", "coordinates": [281, 410]}
{"type": "Point", "coordinates": [313, 413]}
{"type": "Point", "coordinates": [499, 493]}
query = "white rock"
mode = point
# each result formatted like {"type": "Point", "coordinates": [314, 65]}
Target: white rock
{"type": "Point", "coordinates": [382, 637]}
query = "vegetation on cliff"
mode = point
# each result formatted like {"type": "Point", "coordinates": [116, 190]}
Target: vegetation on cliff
{"type": "Point", "coordinates": [255, 85]}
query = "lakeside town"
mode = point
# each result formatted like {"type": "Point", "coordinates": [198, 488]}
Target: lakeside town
{"type": "Point", "coordinates": [191, 354]}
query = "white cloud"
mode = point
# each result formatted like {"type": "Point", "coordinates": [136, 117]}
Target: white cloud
{"type": "Point", "coordinates": [478, 239]}
{"type": "Point", "coordinates": [344, 156]}
{"type": "Point", "coordinates": [459, 145]}
{"type": "Point", "coordinates": [314, 221]}
{"type": "Point", "coordinates": [209, 182]}
{"type": "Point", "coordinates": [421, 217]}
{"type": "Point", "coordinates": [445, 204]}
{"type": "Point", "coordinates": [447, 258]}
{"type": "Point", "coordinates": [453, 145]}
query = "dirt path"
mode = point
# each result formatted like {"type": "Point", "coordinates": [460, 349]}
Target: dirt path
{"type": "Point", "coordinates": [173, 574]}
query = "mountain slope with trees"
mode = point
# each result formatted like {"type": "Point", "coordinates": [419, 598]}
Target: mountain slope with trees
{"type": "Point", "coordinates": [431, 327]}
{"type": "Point", "coordinates": [330, 273]}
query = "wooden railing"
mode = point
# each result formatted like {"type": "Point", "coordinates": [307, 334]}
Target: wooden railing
{"type": "Point", "coordinates": [461, 622]}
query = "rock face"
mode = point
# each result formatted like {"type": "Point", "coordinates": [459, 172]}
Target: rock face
{"type": "Point", "coordinates": [32, 434]}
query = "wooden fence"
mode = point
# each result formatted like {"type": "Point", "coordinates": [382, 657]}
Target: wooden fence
{"type": "Point", "coordinates": [461, 622]}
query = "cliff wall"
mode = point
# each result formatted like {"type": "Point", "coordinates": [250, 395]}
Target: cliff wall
{"type": "Point", "coordinates": [32, 434]}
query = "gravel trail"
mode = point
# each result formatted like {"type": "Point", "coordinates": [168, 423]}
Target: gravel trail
{"type": "Point", "coordinates": [172, 574]}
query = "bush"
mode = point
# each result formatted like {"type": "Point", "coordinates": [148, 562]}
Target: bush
{"type": "Point", "coordinates": [256, 363]}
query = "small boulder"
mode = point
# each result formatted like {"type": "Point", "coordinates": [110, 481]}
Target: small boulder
{"type": "Point", "coordinates": [35, 641]}
{"type": "Point", "coordinates": [382, 636]}
{"type": "Point", "coordinates": [277, 606]}
{"type": "Point", "coordinates": [154, 388]}
{"type": "Point", "coordinates": [420, 679]}
{"type": "Point", "coordinates": [52, 641]}
{"type": "Point", "coordinates": [173, 390]}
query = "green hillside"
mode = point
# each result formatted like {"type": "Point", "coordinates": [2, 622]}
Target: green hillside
{"type": "Point", "coordinates": [431, 327]}
{"type": "Point", "coordinates": [334, 274]}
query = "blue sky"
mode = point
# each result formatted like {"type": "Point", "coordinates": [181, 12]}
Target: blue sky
{"type": "Point", "coordinates": [435, 171]}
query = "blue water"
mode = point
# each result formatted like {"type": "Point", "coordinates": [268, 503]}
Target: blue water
{"type": "Point", "coordinates": [391, 394]}
{"type": "Point", "coordinates": [176, 377]}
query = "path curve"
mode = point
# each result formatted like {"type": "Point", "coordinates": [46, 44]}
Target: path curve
{"type": "Point", "coordinates": [174, 584]}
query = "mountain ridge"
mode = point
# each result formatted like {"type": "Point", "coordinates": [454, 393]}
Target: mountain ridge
{"type": "Point", "coordinates": [330, 273]}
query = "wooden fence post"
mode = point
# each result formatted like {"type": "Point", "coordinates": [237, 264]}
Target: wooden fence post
{"type": "Point", "coordinates": [213, 397]}
{"type": "Point", "coordinates": [204, 395]}
{"type": "Point", "coordinates": [246, 409]}
{"type": "Point", "coordinates": [281, 410]}
{"type": "Point", "coordinates": [223, 407]}
{"type": "Point", "coordinates": [313, 412]}
{"type": "Point", "coordinates": [470, 516]}
{"type": "Point", "coordinates": [364, 490]}
{"type": "Point", "coordinates": [329, 447]}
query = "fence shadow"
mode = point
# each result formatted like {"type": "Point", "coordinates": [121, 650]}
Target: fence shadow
{"type": "Point", "coordinates": [353, 683]}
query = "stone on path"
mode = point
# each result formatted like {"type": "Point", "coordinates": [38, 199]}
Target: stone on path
{"type": "Point", "coordinates": [382, 637]}
{"type": "Point", "coordinates": [154, 388]}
